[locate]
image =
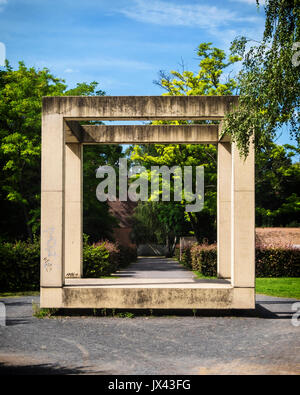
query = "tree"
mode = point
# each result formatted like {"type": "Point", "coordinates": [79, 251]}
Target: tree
{"type": "Point", "coordinates": [277, 186]}
{"type": "Point", "coordinates": [159, 223]}
{"type": "Point", "coordinates": [268, 83]}
{"type": "Point", "coordinates": [202, 224]}
{"type": "Point", "coordinates": [209, 80]}
{"type": "Point", "coordinates": [98, 223]}
{"type": "Point", "coordinates": [21, 92]}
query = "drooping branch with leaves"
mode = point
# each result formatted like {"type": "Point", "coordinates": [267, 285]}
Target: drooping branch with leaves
{"type": "Point", "coordinates": [269, 82]}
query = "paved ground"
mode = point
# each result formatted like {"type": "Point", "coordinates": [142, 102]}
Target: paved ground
{"type": "Point", "coordinates": [156, 268]}
{"type": "Point", "coordinates": [148, 272]}
{"type": "Point", "coordinates": [260, 342]}
{"type": "Point", "coordinates": [264, 342]}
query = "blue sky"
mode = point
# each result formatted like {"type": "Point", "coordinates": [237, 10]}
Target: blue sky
{"type": "Point", "coordinates": [122, 44]}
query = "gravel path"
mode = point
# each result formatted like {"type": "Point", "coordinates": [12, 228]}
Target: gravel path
{"type": "Point", "coordinates": [261, 342]}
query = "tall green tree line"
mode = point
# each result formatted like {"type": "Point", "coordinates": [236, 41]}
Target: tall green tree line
{"type": "Point", "coordinates": [21, 93]}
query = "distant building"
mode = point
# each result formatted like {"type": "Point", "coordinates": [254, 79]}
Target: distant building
{"type": "Point", "coordinates": [123, 212]}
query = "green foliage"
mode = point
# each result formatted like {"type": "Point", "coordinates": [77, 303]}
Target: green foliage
{"type": "Point", "coordinates": [42, 313]}
{"type": "Point", "coordinates": [203, 259]}
{"type": "Point", "coordinates": [277, 262]}
{"type": "Point", "coordinates": [97, 261]}
{"type": "Point", "coordinates": [93, 210]}
{"type": "Point", "coordinates": [186, 258]}
{"type": "Point", "coordinates": [209, 80]}
{"type": "Point", "coordinates": [175, 221]}
{"type": "Point", "coordinates": [20, 263]}
{"type": "Point", "coordinates": [268, 83]}
{"type": "Point", "coordinates": [269, 261]}
{"type": "Point", "coordinates": [126, 314]}
{"type": "Point", "coordinates": [177, 253]}
{"type": "Point", "coordinates": [277, 177]}
{"type": "Point", "coordinates": [21, 92]}
{"type": "Point", "coordinates": [158, 222]}
{"type": "Point", "coordinates": [277, 186]}
{"type": "Point", "coordinates": [104, 258]}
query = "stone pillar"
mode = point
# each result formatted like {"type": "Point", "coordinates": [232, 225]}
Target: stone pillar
{"type": "Point", "coordinates": [73, 210]}
{"type": "Point", "coordinates": [52, 202]}
{"type": "Point", "coordinates": [243, 220]}
{"type": "Point", "coordinates": [224, 210]}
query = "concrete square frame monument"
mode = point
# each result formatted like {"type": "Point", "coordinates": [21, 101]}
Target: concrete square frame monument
{"type": "Point", "coordinates": [62, 285]}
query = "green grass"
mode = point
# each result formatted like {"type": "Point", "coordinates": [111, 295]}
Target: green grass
{"type": "Point", "coordinates": [286, 287]}
{"type": "Point", "coordinates": [109, 276]}
{"type": "Point", "coordinates": [200, 275]}
{"type": "Point", "coordinates": [18, 294]}
{"type": "Point", "coordinates": [42, 313]}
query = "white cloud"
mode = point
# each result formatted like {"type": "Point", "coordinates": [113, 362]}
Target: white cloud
{"type": "Point", "coordinates": [172, 14]}
{"type": "Point", "coordinates": [73, 65]}
{"type": "Point", "coordinates": [2, 4]}
{"type": "Point", "coordinates": [251, 2]}
{"type": "Point", "coordinates": [69, 70]}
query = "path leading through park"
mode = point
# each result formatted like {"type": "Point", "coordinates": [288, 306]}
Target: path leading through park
{"type": "Point", "coordinates": [156, 268]}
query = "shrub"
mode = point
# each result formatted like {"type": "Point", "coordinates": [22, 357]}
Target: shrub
{"type": "Point", "coordinates": [270, 261]}
{"type": "Point", "coordinates": [177, 253]}
{"type": "Point", "coordinates": [126, 255]}
{"type": "Point", "coordinates": [20, 262]}
{"type": "Point", "coordinates": [104, 258]}
{"type": "Point", "coordinates": [204, 259]}
{"type": "Point", "coordinates": [277, 262]}
{"type": "Point", "coordinates": [20, 266]}
{"type": "Point", "coordinates": [97, 261]}
{"type": "Point", "coordinates": [186, 257]}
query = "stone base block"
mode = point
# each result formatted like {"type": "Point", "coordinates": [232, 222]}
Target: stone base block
{"type": "Point", "coordinates": [148, 298]}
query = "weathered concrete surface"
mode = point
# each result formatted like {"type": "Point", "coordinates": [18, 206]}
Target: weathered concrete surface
{"type": "Point", "coordinates": [52, 200]}
{"type": "Point", "coordinates": [73, 244]}
{"type": "Point", "coordinates": [243, 218]}
{"type": "Point", "coordinates": [262, 342]}
{"type": "Point", "coordinates": [224, 210]}
{"type": "Point", "coordinates": [61, 223]}
{"type": "Point", "coordinates": [151, 298]}
{"type": "Point", "coordinates": [140, 107]}
{"type": "Point", "coordinates": [176, 296]}
{"type": "Point", "coordinates": [140, 134]}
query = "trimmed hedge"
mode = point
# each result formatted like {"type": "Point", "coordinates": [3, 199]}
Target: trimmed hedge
{"type": "Point", "coordinates": [186, 258]}
{"type": "Point", "coordinates": [99, 260]}
{"type": "Point", "coordinates": [126, 256]}
{"type": "Point", "coordinates": [20, 263]}
{"type": "Point", "coordinates": [177, 253]}
{"type": "Point", "coordinates": [277, 262]}
{"type": "Point", "coordinates": [104, 258]}
{"type": "Point", "coordinates": [20, 266]}
{"type": "Point", "coordinates": [269, 261]}
{"type": "Point", "coordinates": [204, 259]}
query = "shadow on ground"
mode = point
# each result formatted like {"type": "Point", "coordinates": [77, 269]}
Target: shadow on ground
{"type": "Point", "coordinates": [260, 311]}
{"type": "Point", "coordinates": [40, 369]}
